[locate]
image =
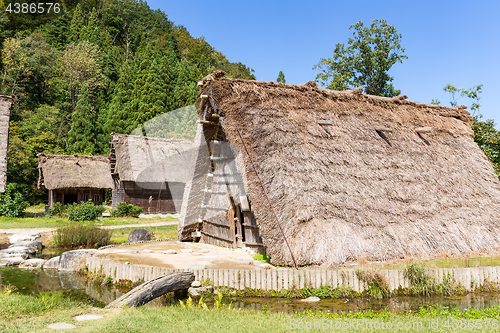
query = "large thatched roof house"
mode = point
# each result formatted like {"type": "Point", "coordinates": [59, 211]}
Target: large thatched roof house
{"type": "Point", "coordinates": [348, 175]}
{"type": "Point", "coordinates": [149, 172]}
{"type": "Point", "coordinates": [74, 178]}
{"type": "Point", "coordinates": [5, 103]}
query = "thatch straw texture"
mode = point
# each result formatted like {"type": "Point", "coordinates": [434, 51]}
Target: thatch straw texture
{"type": "Point", "coordinates": [149, 161]}
{"type": "Point", "coordinates": [74, 171]}
{"type": "Point", "coordinates": [5, 103]}
{"type": "Point", "coordinates": [350, 176]}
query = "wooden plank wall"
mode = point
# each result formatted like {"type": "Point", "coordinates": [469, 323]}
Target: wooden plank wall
{"type": "Point", "coordinates": [161, 200]}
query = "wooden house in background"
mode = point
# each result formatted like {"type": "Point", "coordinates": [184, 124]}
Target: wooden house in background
{"type": "Point", "coordinates": [5, 103]}
{"type": "Point", "coordinates": [324, 177]}
{"type": "Point", "coordinates": [74, 178]}
{"type": "Point", "coordinates": [149, 172]}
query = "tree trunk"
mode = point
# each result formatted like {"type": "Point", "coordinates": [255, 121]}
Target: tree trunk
{"type": "Point", "coordinates": [149, 290]}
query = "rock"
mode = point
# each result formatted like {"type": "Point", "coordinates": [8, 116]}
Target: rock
{"type": "Point", "coordinates": [35, 246]}
{"type": "Point", "coordinates": [87, 317]}
{"type": "Point", "coordinates": [196, 266]}
{"type": "Point", "coordinates": [60, 326]}
{"type": "Point", "coordinates": [52, 263]}
{"type": "Point", "coordinates": [14, 261]}
{"type": "Point", "coordinates": [24, 236]}
{"type": "Point", "coordinates": [148, 251]}
{"type": "Point", "coordinates": [192, 292]}
{"type": "Point", "coordinates": [71, 260]}
{"type": "Point", "coordinates": [196, 284]}
{"type": "Point", "coordinates": [131, 251]}
{"type": "Point", "coordinates": [139, 235]}
{"type": "Point", "coordinates": [14, 255]}
{"type": "Point", "coordinates": [127, 263]}
{"type": "Point", "coordinates": [170, 252]}
{"type": "Point", "coordinates": [311, 299]}
{"type": "Point", "coordinates": [187, 251]}
{"type": "Point", "coordinates": [32, 264]}
{"type": "Point", "coordinates": [16, 249]}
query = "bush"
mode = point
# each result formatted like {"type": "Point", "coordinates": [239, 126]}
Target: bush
{"type": "Point", "coordinates": [122, 209]}
{"type": "Point", "coordinates": [57, 209]}
{"type": "Point", "coordinates": [12, 203]}
{"type": "Point", "coordinates": [86, 234]}
{"type": "Point", "coordinates": [85, 211]}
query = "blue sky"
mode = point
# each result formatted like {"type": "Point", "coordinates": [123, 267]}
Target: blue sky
{"type": "Point", "coordinates": [456, 42]}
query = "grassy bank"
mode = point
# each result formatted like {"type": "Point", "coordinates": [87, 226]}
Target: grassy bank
{"type": "Point", "coordinates": [54, 222]}
{"type": "Point", "coordinates": [162, 232]}
{"type": "Point", "coordinates": [19, 313]}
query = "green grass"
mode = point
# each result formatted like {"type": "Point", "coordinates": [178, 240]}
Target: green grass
{"type": "Point", "coordinates": [163, 232]}
{"type": "Point", "coordinates": [54, 222]}
{"type": "Point", "coordinates": [20, 313]}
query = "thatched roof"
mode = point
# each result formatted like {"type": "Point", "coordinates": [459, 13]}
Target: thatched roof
{"type": "Point", "coordinates": [149, 161]}
{"type": "Point", "coordinates": [5, 103]}
{"type": "Point", "coordinates": [74, 171]}
{"type": "Point", "coordinates": [353, 175]}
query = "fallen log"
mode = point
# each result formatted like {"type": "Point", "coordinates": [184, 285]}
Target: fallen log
{"type": "Point", "coordinates": [151, 289]}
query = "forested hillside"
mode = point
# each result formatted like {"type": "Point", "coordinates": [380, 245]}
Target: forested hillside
{"type": "Point", "coordinates": [92, 68]}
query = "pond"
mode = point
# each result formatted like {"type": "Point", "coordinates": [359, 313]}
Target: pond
{"type": "Point", "coordinates": [76, 287]}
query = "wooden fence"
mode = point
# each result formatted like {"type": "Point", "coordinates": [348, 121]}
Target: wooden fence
{"type": "Point", "coordinates": [277, 279]}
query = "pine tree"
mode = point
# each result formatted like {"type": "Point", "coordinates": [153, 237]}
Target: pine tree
{"type": "Point", "coordinates": [85, 129]}
{"type": "Point", "coordinates": [281, 77]}
{"type": "Point", "coordinates": [92, 33]}
{"type": "Point", "coordinates": [77, 27]}
{"type": "Point", "coordinates": [119, 118]}
{"type": "Point", "coordinates": [185, 91]}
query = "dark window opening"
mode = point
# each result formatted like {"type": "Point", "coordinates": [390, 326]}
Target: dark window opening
{"type": "Point", "coordinates": [70, 198]}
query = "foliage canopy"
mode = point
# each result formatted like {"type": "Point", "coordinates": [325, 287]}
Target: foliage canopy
{"type": "Point", "coordinates": [365, 61]}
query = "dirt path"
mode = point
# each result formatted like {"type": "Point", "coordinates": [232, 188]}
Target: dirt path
{"type": "Point", "coordinates": [42, 230]}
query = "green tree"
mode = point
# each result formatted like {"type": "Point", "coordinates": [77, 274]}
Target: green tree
{"type": "Point", "coordinates": [485, 134]}
{"type": "Point", "coordinates": [473, 93]}
{"type": "Point", "coordinates": [488, 139]}
{"type": "Point", "coordinates": [85, 136]}
{"type": "Point", "coordinates": [281, 77]}
{"type": "Point", "coordinates": [80, 66]}
{"type": "Point", "coordinates": [365, 61]}
{"type": "Point", "coordinates": [77, 25]}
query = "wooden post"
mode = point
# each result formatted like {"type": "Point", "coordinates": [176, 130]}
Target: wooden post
{"type": "Point", "coordinates": [51, 198]}
{"type": "Point", "coordinates": [230, 215]}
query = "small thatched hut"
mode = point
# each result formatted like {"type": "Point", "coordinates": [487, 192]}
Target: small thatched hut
{"type": "Point", "coordinates": [5, 103]}
{"type": "Point", "coordinates": [149, 172]}
{"type": "Point", "coordinates": [74, 178]}
{"type": "Point", "coordinates": [348, 175]}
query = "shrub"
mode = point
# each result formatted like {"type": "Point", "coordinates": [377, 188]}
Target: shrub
{"type": "Point", "coordinates": [85, 211]}
{"type": "Point", "coordinates": [57, 209]}
{"type": "Point", "coordinates": [122, 209]}
{"type": "Point", "coordinates": [12, 203]}
{"type": "Point", "coordinates": [76, 234]}
{"type": "Point", "coordinates": [376, 285]}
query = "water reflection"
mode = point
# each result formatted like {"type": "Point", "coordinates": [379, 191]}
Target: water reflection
{"type": "Point", "coordinates": [76, 287]}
